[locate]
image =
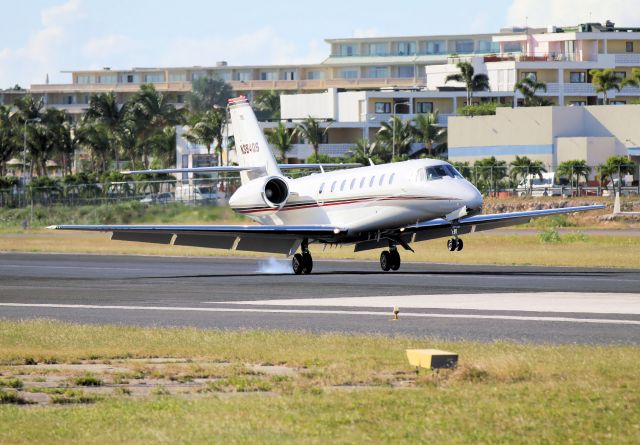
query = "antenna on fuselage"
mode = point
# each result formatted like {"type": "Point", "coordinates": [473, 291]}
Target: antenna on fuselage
{"type": "Point", "coordinates": [371, 162]}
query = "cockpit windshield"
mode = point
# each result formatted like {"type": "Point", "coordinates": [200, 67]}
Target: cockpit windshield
{"type": "Point", "coordinates": [440, 171]}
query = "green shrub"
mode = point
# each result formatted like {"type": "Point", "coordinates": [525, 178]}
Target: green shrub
{"type": "Point", "coordinates": [88, 379]}
{"type": "Point", "coordinates": [11, 383]}
{"type": "Point", "coordinates": [550, 235]}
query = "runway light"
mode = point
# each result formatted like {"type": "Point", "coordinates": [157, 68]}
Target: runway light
{"type": "Point", "coordinates": [432, 358]}
{"type": "Point", "coordinates": [396, 311]}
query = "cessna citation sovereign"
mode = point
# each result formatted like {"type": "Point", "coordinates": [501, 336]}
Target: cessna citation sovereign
{"type": "Point", "coordinates": [379, 206]}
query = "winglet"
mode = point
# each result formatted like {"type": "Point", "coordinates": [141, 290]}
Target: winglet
{"type": "Point", "coordinates": [52, 227]}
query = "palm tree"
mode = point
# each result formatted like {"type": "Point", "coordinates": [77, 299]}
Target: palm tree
{"type": "Point", "coordinates": [207, 93]}
{"type": "Point", "coordinates": [95, 138]}
{"type": "Point", "coordinates": [605, 80]}
{"type": "Point", "coordinates": [267, 103]}
{"type": "Point", "coordinates": [491, 170]}
{"type": "Point", "coordinates": [428, 131]}
{"type": "Point", "coordinates": [523, 168]}
{"type": "Point", "coordinates": [363, 151]}
{"type": "Point", "coordinates": [204, 129]}
{"type": "Point", "coordinates": [473, 82]}
{"type": "Point", "coordinates": [8, 144]}
{"type": "Point", "coordinates": [281, 137]}
{"type": "Point", "coordinates": [528, 88]}
{"type": "Point", "coordinates": [311, 131]}
{"type": "Point", "coordinates": [404, 135]}
{"type": "Point", "coordinates": [574, 169]}
{"type": "Point", "coordinates": [104, 108]}
{"type": "Point", "coordinates": [616, 165]}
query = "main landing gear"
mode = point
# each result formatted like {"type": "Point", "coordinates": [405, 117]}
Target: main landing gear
{"type": "Point", "coordinates": [302, 263]}
{"type": "Point", "coordinates": [390, 259]}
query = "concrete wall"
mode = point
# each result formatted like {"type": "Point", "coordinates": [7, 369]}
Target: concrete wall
{"type": "Point", "coordinates": [594, 150]}
{"type": "Point", "coordinates": [300, 106]}
{"type": "Point", "coordinates": [351, 106]}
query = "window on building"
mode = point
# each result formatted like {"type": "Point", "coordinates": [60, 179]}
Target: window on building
{"type": "Point", "coordinates": [531, 75]}
{"type": "Point", "coordinates": [436, 47]}
{"type": "Point", "coordinates": [289, 75]}
{"type": "Point", "coordinates": [349, 73]}
{"type": "Point", "coordinates": [378, 49]}
{"type": "Point", "coordinates": [315, 75]}
{"type": "Point", "coordinates": [268, 75]}
{"type": "Point", "coordinates": [154, 77]}
{"type": "Point", "coordinates": [344, 182]}
{"type": "Point", "coordinates": [628, 47]}
{"type": "Point", "coordinates": [512, 47]}
{"type": "Point", "coordinates": [405, 71]}
{"type": "Point", "coordinates": [178, 77]}
{"type": "Point", "coordinates": [391, 178]}
{"type": "Point", "coordinates": [382, 107]}
{"type": "Point", "coordinates": [377, 72]}
{"type": "Point", "coordinates": [85, 99]}
{"type": "Point", "coordinates": [577, 77]}
{"type": "Point", "coordinates": [381, 180]}
{"type": "Point", "coordinates": [333, 186]}
{"type": "Point", "coordinates": [353, 183]}
{"type": "Point", "coordinates": [487, 46]}
{"type": "Point", "coordinates": [243, 76]}
{"type": "Point", "coordinates": [406, 48]}
{"type": "Point", "coordinates": [617, 102]}
{"type": "Point", "coordinates": [373, 178]}
{"type": "Point", "coordinates": [68, 100]}
{"type": "Point", "coordinates": [620, 74]}
{"type": "Point", "coordinates": [424, 107]}
{"type": "Point", "coordinates": [180, 98]}
{"type": "Point", "coordinates": [132, 78]}
{"type": "Point", "coordinates": [464, 46]}
{"type": "Point", "coordinates": [346, 50]}
{"type": "Point", "coordinates": [108, 78]}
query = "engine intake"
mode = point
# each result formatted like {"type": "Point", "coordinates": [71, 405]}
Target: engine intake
{"type": "Point", "coordinates": [276, 192]}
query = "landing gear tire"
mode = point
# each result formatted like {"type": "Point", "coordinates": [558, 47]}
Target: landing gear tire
{"type": "Point", "coordinates": [460, 245]}
{"type": "Point", "coordinates": [385, 261]}
{"type": "Point", "coordinates": [452, 244]}
{"type": "Point", "coordinates": [395, 260]}
{"type": "Point", "coordinates": [308, 262]}
{"type": "Point", "coordinates": [390, 260]}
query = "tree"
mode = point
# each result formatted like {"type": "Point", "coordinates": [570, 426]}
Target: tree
{"type": "Point", "coordinates": [362, 151]}
{"type": "Point", "coordinates": [404, 135]}
{"type": "Point", "coordinates": [207, 93]}
{"type": "Point", "coordinates": [428, 131]}
{"type": "Point", "coordinates": [528, 87]}
{"type": "Point", "coordinates": [574, 169]}
{"type": "Point", "coordinates": [604, 81]}
{"type": "Point", "coordinates": [281, 137]}
{"type": "Point", "coordinates": [616, 165]}
{"type": "Point", "coordinates": [204, 128]}
{"type": "Point", "coordinates": [104, 109]}
{"type": "Point", "coordinates": [8, 145]}
{"type": "Point", "coordinates": [634, 79]}
{"type": "Point", "coordinates": [523, 168]}
{"type": "Point", "coordinates": [311, 131]}
{"type": "Point", "coordinates": [491, 170]}
{"type": "Point", "coordinates": [473, 82]}
{"type": "Point", "coordinates": [267, 104]}
{"type": "Point", "coordinates": [95, 138]}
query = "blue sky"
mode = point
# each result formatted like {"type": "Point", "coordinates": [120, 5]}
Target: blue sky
{"type": "Point", "coordinates": [45, 37]}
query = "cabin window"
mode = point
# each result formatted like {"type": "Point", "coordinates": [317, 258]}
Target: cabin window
{"type": "Point", "coordinates": [344, 181]}
{"type": "Point", "coordinates": [333, 186]}
{"type": "Point", "coordinates": [393, 175]}
{"type": "Point", "coordinates": [381, 180]}
{"type": "Point", "coordinates": [373, 178]}
{"type": "Point", "coordinates": [353, 183]}
{"type": "Point", "coordinates": [362, 182]}
{"type": "Point", "coordinates": [321, 188]}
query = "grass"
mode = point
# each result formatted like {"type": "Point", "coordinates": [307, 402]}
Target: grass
{"type": "Point", "coordinates": [346, 389]}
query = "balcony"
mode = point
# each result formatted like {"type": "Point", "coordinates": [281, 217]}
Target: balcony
{"type": "Point", "coordinates": [377, 118]}
{"type": "Point", "coordinates": [538, 57]}
{"type": "Point", "coordinates": [303, 151]}
{"type": "Point", "coordinates": [627, 59]}
{"type": "Point", "coordinates": [106, 87]}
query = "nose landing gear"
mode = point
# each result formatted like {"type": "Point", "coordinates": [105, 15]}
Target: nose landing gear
{"type": "Point", "coordinates": [455, 244]}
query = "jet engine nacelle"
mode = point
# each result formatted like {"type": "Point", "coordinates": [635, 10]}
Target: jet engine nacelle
{"type": "Point", "coordinates": [270, 191]}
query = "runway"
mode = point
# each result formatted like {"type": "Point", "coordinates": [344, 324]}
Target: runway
{"type": "Point", "coordinates": [485, 303]}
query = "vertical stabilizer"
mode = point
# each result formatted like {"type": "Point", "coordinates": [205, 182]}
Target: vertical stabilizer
{"type": "Point", "coordinates": [252, 149]}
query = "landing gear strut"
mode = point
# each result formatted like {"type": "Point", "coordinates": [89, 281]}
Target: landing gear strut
{"type": "Point", "coordinates": [390, 259]}
{"type": "Point", "coordinates": [302, 263]}
{"type": "Point", "coordinates": [455, 243]}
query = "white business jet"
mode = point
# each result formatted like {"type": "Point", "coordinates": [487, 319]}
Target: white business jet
{"type": "Point", "coordinates": [380, 206]}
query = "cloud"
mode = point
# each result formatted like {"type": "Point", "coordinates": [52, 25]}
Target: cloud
{"type": "Point", "coordinates": [541, 13]}
{"type": "Point", "coordinates": [361, 33]}
{"type": "Point", "coordinates": [110, 45]}
{"type": "Point", "coordinates": [43, 48]}
{"type": "Point", "coordinates": [262, 46]}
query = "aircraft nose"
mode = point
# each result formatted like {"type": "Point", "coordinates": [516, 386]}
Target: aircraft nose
{"type": "Point", "coordinates": [472, 197]}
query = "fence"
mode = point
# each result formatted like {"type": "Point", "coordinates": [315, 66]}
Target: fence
{"type": "Point", "coordinates": [490, 180]}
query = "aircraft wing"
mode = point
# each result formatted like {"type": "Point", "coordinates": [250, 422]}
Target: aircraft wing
{"type": "Point", "coordinates": [235, 168]}
{"type": "Point", "coordinates": [254, 238]}
{"type": "Point", "coordinates": [440, 228]}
